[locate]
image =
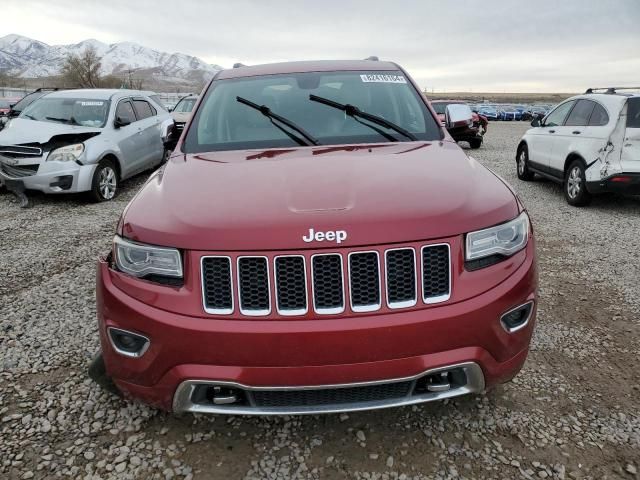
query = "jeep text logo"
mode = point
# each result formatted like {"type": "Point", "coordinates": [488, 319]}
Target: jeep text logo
{"type": "Point", "coordinates": [338, 236]}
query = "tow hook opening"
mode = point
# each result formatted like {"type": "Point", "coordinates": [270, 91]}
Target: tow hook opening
{"type": "Point", "coordinates": [218, 395]}
{"type": "Point", "coordinates": [128, 343]}
{"type": "Point", "coordinates": [442, 381]}
{"type": "Point", "coordinates": [517, 318]}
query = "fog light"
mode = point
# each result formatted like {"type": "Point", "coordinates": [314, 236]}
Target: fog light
{"type": "Point", "coordinates": [517, 318]}
{"type": "Point", "coordinates": [127, 343]}
{"type": "Point", "coordinates": [64, 182]}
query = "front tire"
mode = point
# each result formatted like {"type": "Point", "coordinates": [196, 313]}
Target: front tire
{"type": "Point", "coordinates": [475, 143]}
{"type": "Point", "coordinates": [98, 373]}
{"type": "Point", "coordinates": [522, 164]}
{"type": "Point", "coordinates": [575, 185]}
{"type": "Point", "coordinates": [104, 186]}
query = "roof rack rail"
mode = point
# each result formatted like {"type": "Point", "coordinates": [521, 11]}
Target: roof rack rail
{"type": "Point", "coordinates": [238, 65]}
{"type": "Point", "coordinates": [610, 90]}
{"type": "Point", "coordinates": [373, 58]}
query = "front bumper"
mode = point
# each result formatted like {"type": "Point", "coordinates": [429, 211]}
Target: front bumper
{"type": "Point", "coordinates": [52, 177]}
{"type": "Point", "coordinates": [318, 353]}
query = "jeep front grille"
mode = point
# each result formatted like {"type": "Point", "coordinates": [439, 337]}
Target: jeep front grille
{"type": "Point", "coordinates": [326, 283]}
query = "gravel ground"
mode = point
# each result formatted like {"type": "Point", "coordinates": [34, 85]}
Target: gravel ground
{"type": "Point", "coordinates": [573, 412]}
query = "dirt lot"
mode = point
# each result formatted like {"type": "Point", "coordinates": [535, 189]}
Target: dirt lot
{"type": "Point", "coordinates": [573, 412]}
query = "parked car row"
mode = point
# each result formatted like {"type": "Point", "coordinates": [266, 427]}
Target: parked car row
{"type": "Point", "coordinates": [510, 112]}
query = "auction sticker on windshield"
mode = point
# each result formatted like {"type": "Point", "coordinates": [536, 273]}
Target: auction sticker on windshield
{"type": "Point", "coordinates": [381, 78]}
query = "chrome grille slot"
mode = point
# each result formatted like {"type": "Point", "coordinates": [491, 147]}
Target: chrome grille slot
{"type": "Point", "coordinates": [364, 281]}
{"type": "Point", "coordinates": [217, 293]}
{"type": "Point", "coordinates": [253, 285]}
{"type": "Point", "coordinates": [249, 278]}
{"type": "Point", "coordinates": [328, 288]}
{"type": "Point", "coordinates": [401, 277]}
{"type": "Point", "coordinates": [436, 273]}
{"type": "Point", "coordinates": [291, 285]}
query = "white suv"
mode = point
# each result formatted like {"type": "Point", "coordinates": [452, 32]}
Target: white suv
{"type": "Point", "coordinates": [590, 143]}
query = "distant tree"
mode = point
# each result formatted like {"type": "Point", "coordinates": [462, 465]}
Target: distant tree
{"type": "Point", "coordinates": [110, 81]}
{"type": "Point", "coordinates": [82, 70]}
{"type": "Point", "coordinates": [7, 80]}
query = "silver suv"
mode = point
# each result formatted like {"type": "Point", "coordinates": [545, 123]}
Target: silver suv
{"type": "Point", "coordinates": [82, 141]}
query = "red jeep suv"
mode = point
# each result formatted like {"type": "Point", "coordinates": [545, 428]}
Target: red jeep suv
{"type": "Point", "coordinates": [317, 242]}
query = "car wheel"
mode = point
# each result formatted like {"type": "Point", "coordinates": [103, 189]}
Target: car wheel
{"type": "Point", "coordinates": [575, 185]}
{"type": "Point", "coordinates": [522, 164]}
{"type": "Point", "coordinates": [98, 373]}
{"type": "Point", "coordinates": [165, 156]}
{"type": "Point", "coordinates": [475, 143]}
{"type": "Point", "coordinates": [104, 186]}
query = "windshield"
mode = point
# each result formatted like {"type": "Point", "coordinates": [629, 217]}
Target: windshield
{"type": "Point", "coordinates": [28, 100]}
{"type": "Point", "coordinates": [87, 112]}
{"type": "Point", "coordinates": [224, 123]}
{"type": "Point", "coordinates": [439, 108]}
{"type": "Point", "coordinates": [185, 105]}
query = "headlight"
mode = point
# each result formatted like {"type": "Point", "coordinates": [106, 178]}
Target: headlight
{"type": "Point", "coordinates": [505, 239]}
{"type": "Point", "coordinates": [70, 153]}
{"type": "Point", "coordinates": [140, 260]}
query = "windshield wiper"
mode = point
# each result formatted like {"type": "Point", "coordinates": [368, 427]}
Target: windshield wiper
{"type": "Point", "coordinates": [306, 141]}
{"type": "Point", "coordinates": [30, 117]}
{"type": "Point", "coordinates": [70, 121]}
{"type": "Point", "coordinates": [354, 112]}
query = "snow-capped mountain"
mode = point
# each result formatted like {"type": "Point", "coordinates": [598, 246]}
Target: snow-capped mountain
{"type": "Point", "coordinates": [30, 58]}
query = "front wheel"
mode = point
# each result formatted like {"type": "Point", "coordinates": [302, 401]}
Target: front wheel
{"type": "Point", "coordinates": [475, 143]}
{"type": "Point", "coordinates": [104, 186]}
{"type": "Point", "coordinates": [575, 185]}
{"type": "Point", "coordinates": [165, 156]}
{"type": "Point", "coordinates": [524, 173]}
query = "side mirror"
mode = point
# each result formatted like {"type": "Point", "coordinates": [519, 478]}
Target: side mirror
{"type": "Point", "coordinates": [458, 115]}
{"type": "Point", "coordinates": [170, 109]}
{"type": "Point", "coordinates": [121, 122]}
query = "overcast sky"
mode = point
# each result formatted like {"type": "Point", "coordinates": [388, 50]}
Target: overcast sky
{"type": "Point", "coordinates": [491, 45]}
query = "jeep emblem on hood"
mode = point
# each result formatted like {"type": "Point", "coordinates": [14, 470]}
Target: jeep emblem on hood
{"type": "Point", "coordinates": [338, 236]}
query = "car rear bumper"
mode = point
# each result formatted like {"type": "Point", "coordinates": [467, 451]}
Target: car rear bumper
{"type": "Point", "coordinates": [296, 355]}
{"type": "Point", "coordinates": [628, 183]}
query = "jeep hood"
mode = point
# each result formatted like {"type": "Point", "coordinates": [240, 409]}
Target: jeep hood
{"type": "Point", "coordinates": [267, 200]}
{"type": "Point", "coordinates": [22, 130]}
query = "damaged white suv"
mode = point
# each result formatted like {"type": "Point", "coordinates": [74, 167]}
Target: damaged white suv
{"type": "Point", "coordinates": [590, 143]}
{"type": "Point", "coordinates": [82, 141]}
